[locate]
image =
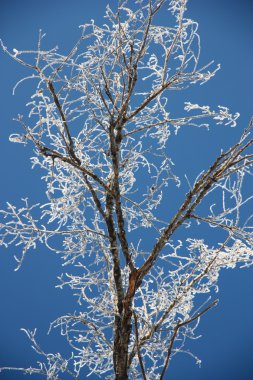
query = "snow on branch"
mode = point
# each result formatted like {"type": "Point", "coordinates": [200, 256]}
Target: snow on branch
{"type": "Point", "coordinates": [103, 130]}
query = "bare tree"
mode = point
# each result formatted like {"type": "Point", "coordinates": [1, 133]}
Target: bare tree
{"type": "Point", "coordinates": [99, 123]}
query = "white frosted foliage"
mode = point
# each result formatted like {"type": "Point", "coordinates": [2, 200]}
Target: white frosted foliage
{"type": "Point", "coordinates": [120, 213]}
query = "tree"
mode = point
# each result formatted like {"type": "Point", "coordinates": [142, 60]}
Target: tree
{"type": "Point", "coordinates": [99, 122]}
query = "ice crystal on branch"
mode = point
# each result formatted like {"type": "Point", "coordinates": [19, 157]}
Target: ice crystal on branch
{"type": "Point", "coordinates": [100, 121]}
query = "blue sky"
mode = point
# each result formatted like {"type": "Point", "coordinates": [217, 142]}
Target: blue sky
{"type": "Point", "coordinates": [28, 297]}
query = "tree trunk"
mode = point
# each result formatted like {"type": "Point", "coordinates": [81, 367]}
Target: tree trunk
{"type": "Point", "coordinates": [123, 328]}
{"type": "Point", "coordinates": [122, 370]}
{"type": "Point", "coordinates": [120, 355]}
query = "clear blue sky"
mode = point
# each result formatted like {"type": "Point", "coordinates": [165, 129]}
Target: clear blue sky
{"type": "Point", "coordinates": [28, 297]}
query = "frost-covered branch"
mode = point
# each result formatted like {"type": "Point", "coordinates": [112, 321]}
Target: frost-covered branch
{"type": "Point", "coordinates": [99, 123]}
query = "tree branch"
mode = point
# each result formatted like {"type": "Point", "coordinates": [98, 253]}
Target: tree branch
{"type": "Point", "coordinates": [138, 347]}
{"type": "Point", "coordinates": [176, 330]}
